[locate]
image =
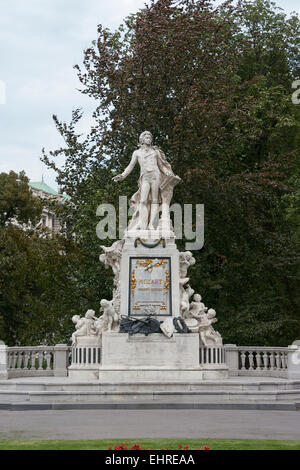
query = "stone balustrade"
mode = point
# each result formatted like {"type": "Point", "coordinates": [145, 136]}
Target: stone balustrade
{"type": "Point", "coordinates": [263, 361]}
{"type": "Point", "coordinates": [38, 361]}
{"type": "Point", "coordinates": [86, 356]}
{"type": "Point", "coordinates": [30, 361]}
{"type": "Point", "coordinates": [34, 361]}
{"type": "Point", "coordinates": [210, 356]}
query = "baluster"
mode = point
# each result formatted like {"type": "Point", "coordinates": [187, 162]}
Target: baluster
{"type": "Point", "coordinates": [278, 360]}
{"type": "Point", "coordinates": [272, 361]}
{"type": "Point", "coordinates": [26, 360]}
{"type": "Point", "coordinates": [266, 360]}
{"type": "Point", "coordinates": [10, 360]}
{"type": "Point", "coordinates": [281, 360]}
{"type": "Point", "coordinates": [35, 358]}
{"type": "Point", "coordinates": [16, 359]}
{"type": "Point", "coordinates": [251, 361]}
{"type": "Point", "coordinates": [243, 360]}
{"type": "Point", "coordinates": [205, 356]}
{"type": "Point", "coordinates": [48, 360]}
{"type": "Point", "coordinates": [258, 360]}
{"type": "Point", "coordinates": [29, 361]}
{"type": "Point", "coordinates": [19, 359]}
{"type": "Point", "coordinates": [284, 360]}
{"type": "Point", "coordinates": [41, 360]}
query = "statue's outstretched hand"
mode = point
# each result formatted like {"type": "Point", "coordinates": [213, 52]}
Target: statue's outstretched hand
{"type": "Point", "coordinates": [118, 178]}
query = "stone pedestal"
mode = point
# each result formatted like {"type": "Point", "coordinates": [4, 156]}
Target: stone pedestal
{"type": "Point", "coordinates": [294, 362]}
{"type": "Point", "coordinates": [3, 361]}
{"type": "Point", "coordinates": [232, 359]}
{"type": "Point", "coordinates": [152, 358]}
{"type": "Point", "coordinates": [61, 360]}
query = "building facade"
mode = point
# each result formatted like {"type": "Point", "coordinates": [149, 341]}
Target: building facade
{"type": "Point", "coordinates": [44, 192]}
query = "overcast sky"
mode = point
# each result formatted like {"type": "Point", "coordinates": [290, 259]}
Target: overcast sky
{"type": "Point", "coordinates": [40, 42]}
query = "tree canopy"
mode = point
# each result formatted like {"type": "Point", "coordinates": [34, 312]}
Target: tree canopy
{"type": "Point", "coordinates": [17, 203]}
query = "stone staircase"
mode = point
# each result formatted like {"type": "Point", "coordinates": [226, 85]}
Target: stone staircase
{"type": "Point", "coordinates": [232, 393]}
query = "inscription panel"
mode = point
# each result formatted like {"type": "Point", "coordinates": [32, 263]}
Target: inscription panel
{"type": "Point", "coordinates": [150, 286]}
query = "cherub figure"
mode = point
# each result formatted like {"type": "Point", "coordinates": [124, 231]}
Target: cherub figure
{"type": "Point", "coordinates": [110, 317]}
{"type": "Point", "coordinates": [186, 260]}
{"type": "Point", "coordinates": [185, 295]}
{"type": "Point", "coordinates": [197, 307]}
{"type": "Point", "coordinates": [84, 326]}
{"type": "Point", "coordinates": [199, 320]}
{"type": "Point", "coordinates": [208, 335]}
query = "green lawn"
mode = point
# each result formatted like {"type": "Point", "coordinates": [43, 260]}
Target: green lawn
{"type": "Point", "coordinates": [215, 444]}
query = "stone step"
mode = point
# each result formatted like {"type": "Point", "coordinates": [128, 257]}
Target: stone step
{"type": "Point", "coordinates": [167, 396]}
{"type": "Point", "coordinates": [206, 386]}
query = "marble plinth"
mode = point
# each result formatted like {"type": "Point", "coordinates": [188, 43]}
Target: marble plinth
{"type": "Point", "coordinates": [141, 358]}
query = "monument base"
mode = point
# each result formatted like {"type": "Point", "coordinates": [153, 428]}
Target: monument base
{"type": "Point", "coordinates": [141, 375]}
{"type": "Point", "coordinates": [83, 373]}
{"type": "Point", "coordinates": [154, 358]}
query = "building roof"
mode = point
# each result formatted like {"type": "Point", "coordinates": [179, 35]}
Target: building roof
{"type": "Point", "coordinates": [42, 186]}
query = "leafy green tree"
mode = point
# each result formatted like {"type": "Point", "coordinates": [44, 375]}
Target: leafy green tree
{"type": "Point", "coordinates": [41, 287]}
{"type": "Point", "coordinates": [17, 203]}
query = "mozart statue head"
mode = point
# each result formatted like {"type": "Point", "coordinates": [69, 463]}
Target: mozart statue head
{"type": "Point", "coordinates": [146, 138]}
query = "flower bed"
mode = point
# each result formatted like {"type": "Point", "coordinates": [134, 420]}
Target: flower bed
{"type": "Point", "coordinates": [137, 446]}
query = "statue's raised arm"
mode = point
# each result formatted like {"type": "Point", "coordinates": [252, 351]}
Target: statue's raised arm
{"type": "Point", "coordinates": [127, 170]}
